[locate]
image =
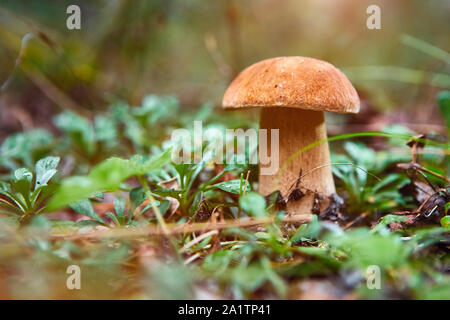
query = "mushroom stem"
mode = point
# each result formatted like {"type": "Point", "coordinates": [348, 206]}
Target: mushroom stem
{"type": "Point", "coordinates": [297, 129]}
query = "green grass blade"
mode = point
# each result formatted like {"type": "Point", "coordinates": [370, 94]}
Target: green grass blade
{"type": "Point", "coordinates": [397, 74]}
{"type": "Point", "coordinates": [356, 135]}
{"type": "Point", "coordinates": [425, 47]}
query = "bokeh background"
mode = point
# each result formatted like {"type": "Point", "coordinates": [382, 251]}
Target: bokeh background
{"type": "Point", "coordinates": [193, 49]}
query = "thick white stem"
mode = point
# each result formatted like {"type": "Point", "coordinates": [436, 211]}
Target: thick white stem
{"type": "Point", "coordinates": [297, 129]}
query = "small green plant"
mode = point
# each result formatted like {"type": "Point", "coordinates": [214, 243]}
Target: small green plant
{"type": "Point", "coordinates": [24, 196]}
{"type": "Point", "coordinates": [23, 149]}
{"type": "Point", "coordinates": [367, 192]}
{"type": "Point", "coordinates": [135, 194]}
{"type": "Point", "coordinates": [190, 189]}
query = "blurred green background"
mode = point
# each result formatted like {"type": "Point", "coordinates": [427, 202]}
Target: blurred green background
{"type": "Point", "coordinates": [193, 49]}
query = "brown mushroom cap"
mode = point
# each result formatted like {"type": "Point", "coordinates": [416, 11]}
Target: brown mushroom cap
{"type": "Point", "coordinates": [293, 82]}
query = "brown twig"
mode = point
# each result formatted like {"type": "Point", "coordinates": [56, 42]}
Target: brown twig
{"type": "Point", "coordinates": [198, 239]}
{"type": "Point", "coordinates": [359, 218]}
{"type": "Point", "coordinates": [184, 228]}
{"type": "Point", "coordinates": [416, 166]}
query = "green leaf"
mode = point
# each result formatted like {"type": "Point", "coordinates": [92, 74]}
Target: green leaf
{"type": "Point", "coordinates": [97, 194]}
{"type": "Point", "coordinates": [387, 181]}
{"type": "Point", "coordinates": [307, 231]}
{"type": "Point", "coordinates": [105, 130]}
{"type": "Point", "coordinates": [113, 218]}
{"type": "Point", "coordinates": [85, 208]}
{"type": "Point", "coordinates": [249, 278]}
{"type": "Point", "coordinates": [22, 185]}
{"type": "Point", "coordinates": [196, 202]}
{"type": "Point", "coordinates": [16, 207]}
{"type": "Point", "coordinates": [232, 186]}
{"type": "Point", "coordinates": [182, 170]}
{"type": "Point", "coordinates": [119, 206]}
{"type": "Point", "coordinates": [157, 108]}
{"type": "Point", "coordinates": [386, 220]}
{"type": "Point", "coordinates": [164, 206]}
{"type": "Point", "coordinates": [445, 222]}
{"type": "Point", "coordinates": [137, 196]}
{"type": "Point", "coordinates": [23, 174]}
{"type": "Point", "coordinates": [42, 193]}
{"type": "Point", "coordinates": [168, 192]}
{"type": "Point", "coordinates": [80, 129]}
{"type": "Point", "coordinates": [22, 145]}
{"type": "Point", "coordinates": [134, 131]}
{"type": "Point", "coordinates": [444, 106]}
{"type": "Point", "coordinates": [12, 198]}
{"type": "Point", "coordinates": [107, 176]}
{"type": "Point", "coordinates": [276, 281]}
{"type": "Point", "coordinates": [397, 129]}
{"type": "Point", "coordinates": [367, 248]}
{"type": "Point", "coordinates": [45, 170]}
{"type": "Point", "coordinates": [254, 204]}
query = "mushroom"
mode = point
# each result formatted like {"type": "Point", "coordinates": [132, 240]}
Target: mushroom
{"type": "Point", "coordinates": [293, 93]}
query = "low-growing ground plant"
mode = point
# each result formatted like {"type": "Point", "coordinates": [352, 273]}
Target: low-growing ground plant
{"type": "Point", "coordinates": [158, 229]}
{"type": "Point", "coordinates": [25, 195]}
